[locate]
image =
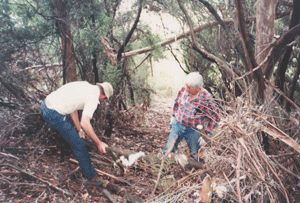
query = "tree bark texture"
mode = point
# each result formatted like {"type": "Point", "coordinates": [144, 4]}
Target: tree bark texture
{"type": "Point", "coordinates": [68, 55]}
{"type": "Point", "coordinates": [250, 57]}
{"type": "Point", "coordinates": [265, 21]}
{"type": "Point", "coordinates": [293, 86]}
{"type": "Point", "coordinates": [283, 63]}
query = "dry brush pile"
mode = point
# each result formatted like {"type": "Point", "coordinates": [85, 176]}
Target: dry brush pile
{"type": "Point", "coordinates": [236, 154]}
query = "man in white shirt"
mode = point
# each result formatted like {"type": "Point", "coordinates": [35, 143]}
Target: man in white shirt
{"type": "Point", "coordinates": [63, 104]}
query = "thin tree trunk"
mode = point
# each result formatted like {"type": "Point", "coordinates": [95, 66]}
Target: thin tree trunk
{"type": "Point", "coordinates": [283, 63]}
{"type": "Point", "coordinates": [68, 57]}
{"type": "Point", "coordinates": [121, 50]}
{"type": "Point", "coordinates": [293, 86]}
{"type": "Point", "coordinates": [258, 74]}
{"type": "Point", "coordinates": [265, 21]}
{"type": "Point", "coordinates": [94, 54]}
{"type": "Point", "coordinates": [265, 29]}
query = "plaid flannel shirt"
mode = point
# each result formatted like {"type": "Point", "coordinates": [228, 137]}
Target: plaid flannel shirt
{"type": "Point", "coordinates": [199, 111]}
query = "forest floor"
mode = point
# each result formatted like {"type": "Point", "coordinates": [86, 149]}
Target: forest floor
{"type": "Point", "coordinates": [29, 162]}
{"type": "Point", "coordinates": [32, 168]}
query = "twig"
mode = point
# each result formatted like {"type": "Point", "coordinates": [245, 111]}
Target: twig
{"type": "Point", "coordinates": [282, 94]}
{"type": "Point", "coordinates": [285, 169]}
{"type": "Point", "coordinates": [238, 172]}
{"type": "Point", "coordinates": [74, 197]}
{"type": "Point", "coordinates": [101, 172]}
{"type": "Point", "coordinates": [39, 196]}
{"type": "Point", "coordinates": [108, 195]}
{"type": "Point", "coordinates": [9, 155]}
{"type": "Point", "coordinates": [40, 179]}
{"type": "Point", "coordinates": [162, 163]}
{"type": "Point", "coordinates": [178, 182]}
{"type": "Point", "coordinates": [260, 170]}
{"type": "Point", "coordinates": [62, 182]}
{"type": "Point", "coordinates": [109, 175]}
{"type": "Point", "coordinates": [139, 64]}
{"type": "Point", "coordinates": [276, 133]}
{"type": "Point", "coordinates": [230, 184]}
{"type": "Point", "coordinates": [272, 170]}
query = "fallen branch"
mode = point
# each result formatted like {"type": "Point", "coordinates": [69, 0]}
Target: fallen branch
{"type": "Point", "coordinates": [285, 169]}
{"type": "Point", "coordinates": [278, 134]}
{"type": "Point", "coordinates": [101, 172]}
{"type": "Point", "coordinates": [109, 175]}
{"type": "Point", "coordinates": [9, 155]}
{"type": "Point", "coordinates": [275, 174]}
{"type": "Point", "coordinates": [282, 94]}
{"type": "Point", "coordinates": [113, 188]}
{"type": "Point", "coordinates": [40, 179]}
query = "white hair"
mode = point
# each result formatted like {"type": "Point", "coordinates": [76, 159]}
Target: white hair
{"type": "Point", "coordinates": [194, 79]}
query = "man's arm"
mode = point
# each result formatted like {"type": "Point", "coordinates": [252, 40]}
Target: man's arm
{"type": "Point", "coordinates": [75, 119]}
{"type": "Point", "coordinates": [88, 129]}
{"type": "Point", "coordinates": [212, 114]}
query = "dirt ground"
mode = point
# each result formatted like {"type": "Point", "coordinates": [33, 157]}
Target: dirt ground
{"type": "Point", "coordinates": [30, 162]}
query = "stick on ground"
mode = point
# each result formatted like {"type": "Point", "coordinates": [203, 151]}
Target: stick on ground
{"type": "Point", "coordinates": [40, 179]}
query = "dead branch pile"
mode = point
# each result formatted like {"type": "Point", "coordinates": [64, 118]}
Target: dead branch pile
{"type": "Point", "coordinates": [243, 172]}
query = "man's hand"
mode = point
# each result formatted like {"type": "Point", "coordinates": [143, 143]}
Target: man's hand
{"type": "Point", "coordinates": [81, 134]}
{"type": "Point", "coordinates": [171, 121]}
{"type": "Point", "coordinates": [101, 147]}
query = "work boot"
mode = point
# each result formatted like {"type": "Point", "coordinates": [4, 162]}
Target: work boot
{"type": "Point", "coordinates": [96, 181]}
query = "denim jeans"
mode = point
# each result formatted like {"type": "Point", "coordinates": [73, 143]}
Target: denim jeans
{"type": "Point", "coordinates": [191, 136]}
{"type": "Point", "coordinates": [62, 124]}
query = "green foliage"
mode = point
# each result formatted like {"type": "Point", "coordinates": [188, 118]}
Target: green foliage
{"type": "Point", "coordinates": [29, 36]}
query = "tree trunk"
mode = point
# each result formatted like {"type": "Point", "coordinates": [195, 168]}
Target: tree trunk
{"type": "Point", "coordinates": [283, 63]}
{"type": "Point", "coordinates": [121, 50]}
{"type": "Point", "coordinates": [265, 20]}
{"type": "Point", "coordinates": [293, 86]}
{"type": "Point", "coordinates": [68, 57]}
{"type": "Point", "coordinates": [250, 57]}
{"type": "Point", "coordinates": [94, 54]}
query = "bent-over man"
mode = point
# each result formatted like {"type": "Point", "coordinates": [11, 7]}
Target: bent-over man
{"type": "Point", "coordinates": [63, 104]}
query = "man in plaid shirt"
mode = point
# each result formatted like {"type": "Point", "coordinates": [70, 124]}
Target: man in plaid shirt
{"type": "Point", "coordinates": [193, 106]}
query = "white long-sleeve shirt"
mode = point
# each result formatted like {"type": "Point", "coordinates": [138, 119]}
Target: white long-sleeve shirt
{"type": "Point", "coordinates": [79, 95]}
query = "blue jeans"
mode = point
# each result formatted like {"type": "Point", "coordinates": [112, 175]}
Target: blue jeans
{"type": "Point", "coordinates": [62, 124]}
{"type": "Point", "coordinates": [191, 136]}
